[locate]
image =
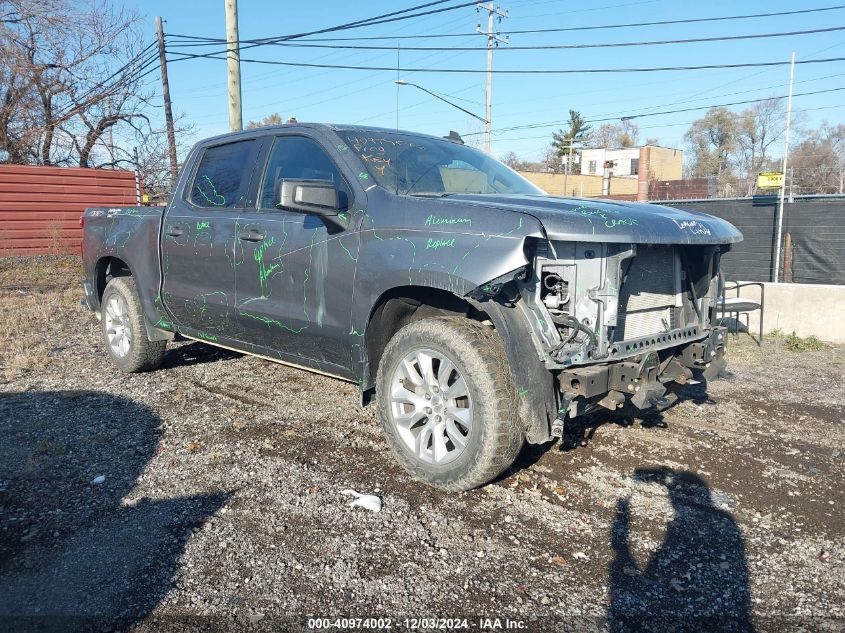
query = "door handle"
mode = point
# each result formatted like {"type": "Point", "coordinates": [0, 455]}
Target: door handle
{"type": "Point", "coordinates": [251, 235]}
{"type": "Point", "coordinates": [174, 230]}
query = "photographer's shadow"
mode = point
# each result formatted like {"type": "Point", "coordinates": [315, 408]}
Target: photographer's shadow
{"type": "Point", "coordinates": [696, 580]}
{"type": "Point", "coordinates": [72, 555]}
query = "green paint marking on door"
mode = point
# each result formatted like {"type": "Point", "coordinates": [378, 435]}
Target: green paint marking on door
{"type": "Point", "coordinates": [268, 322]}
{"type": "Point", "coordinates": [264, 271]}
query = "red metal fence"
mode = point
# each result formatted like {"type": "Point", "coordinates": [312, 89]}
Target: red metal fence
{"type": "Point", "coordinates": [40, 206]}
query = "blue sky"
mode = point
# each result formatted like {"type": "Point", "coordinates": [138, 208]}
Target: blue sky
{"type": "Point", "coordinates": [198, 86]}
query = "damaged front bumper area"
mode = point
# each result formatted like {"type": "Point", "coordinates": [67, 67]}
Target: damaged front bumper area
{"type": "Point", "coordinates": [616, 325]}
{"type": "Point", "coordinates": [621, 323]}
{"type": "Point", "coordinates": [645, 382]}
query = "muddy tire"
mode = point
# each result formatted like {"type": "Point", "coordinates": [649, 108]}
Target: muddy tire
{"type": "Point", "coordinates": [447, 402]}
{"type": "Point", "coordinates": [122, 322]}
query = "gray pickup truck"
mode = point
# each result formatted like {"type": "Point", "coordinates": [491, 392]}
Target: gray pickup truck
{"type": "Point", "coordinates": [479, 312]}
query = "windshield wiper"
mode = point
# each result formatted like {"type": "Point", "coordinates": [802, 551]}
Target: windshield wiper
{"type": "Point", "coordinates": [430, 194]}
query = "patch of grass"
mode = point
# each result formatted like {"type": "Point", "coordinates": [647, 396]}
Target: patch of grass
{"type": "Point", "coordinates": [795, 343]}
{"type": "Point", "coordinates": [41, 270]}
{"type": "Point", "coordinates": [26, 320]}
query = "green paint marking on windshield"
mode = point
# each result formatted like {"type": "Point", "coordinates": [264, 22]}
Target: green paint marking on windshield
{"type": "Point", "coordinates": [268, 322]}
{"type": "Point", "coordinates": [201, 226]}
{"type": "Point", "coordinates": [362, 175]}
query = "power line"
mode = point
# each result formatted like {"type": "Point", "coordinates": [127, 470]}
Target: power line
{"type": "Point", "coordinates": [555, 30]}
{"type": "Point", "coordinates": [555, 46]}
{"type": "Point", "coordinates": [567, 71]}
{"type": "Point", "coordinates": [128, 73]}
{"type": "Point", "coordinates": [637, 116]}
{"type": "Point", "coordinates": [379, 19]}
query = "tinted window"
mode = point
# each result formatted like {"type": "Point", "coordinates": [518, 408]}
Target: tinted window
{"type": "Point", "coordinates": [299, 158]}
{"type": "Point", "coordinates": [222, 175]}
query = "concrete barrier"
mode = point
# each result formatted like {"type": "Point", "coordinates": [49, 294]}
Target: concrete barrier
{"type": "Point", "coordinates": [806, 309]}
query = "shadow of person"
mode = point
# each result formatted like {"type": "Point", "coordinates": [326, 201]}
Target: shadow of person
{"type": "Point", "coordinates": [72, 555]}
{"type": "Point", "coordinates": [697, 579]}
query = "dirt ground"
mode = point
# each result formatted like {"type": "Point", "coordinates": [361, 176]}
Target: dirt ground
{"type": "Point", "coordinates": [208, 495]}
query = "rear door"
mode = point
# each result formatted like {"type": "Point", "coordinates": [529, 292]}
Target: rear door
{"type": "Point", "coordinates": [199, 240]}
{"type": "Point", "coordinates": [294, 280]}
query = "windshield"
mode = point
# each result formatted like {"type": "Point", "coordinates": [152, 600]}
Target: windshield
{"type": "Point", "coordinates": [407, 164]}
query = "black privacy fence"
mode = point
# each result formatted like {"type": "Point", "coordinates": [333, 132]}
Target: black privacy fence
{"type": "Point", "coordinates": [812, 248]}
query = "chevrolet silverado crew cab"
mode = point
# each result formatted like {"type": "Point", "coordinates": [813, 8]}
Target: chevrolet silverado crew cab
{"type": "Point", "coordinates": [478, 311]}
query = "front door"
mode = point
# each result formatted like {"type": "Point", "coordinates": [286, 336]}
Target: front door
{"type": "Point", "coordinates": [199, 238]}
{"type": "Point", "coordinates": [294, 280]}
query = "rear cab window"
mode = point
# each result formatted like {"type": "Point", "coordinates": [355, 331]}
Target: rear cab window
{"type": "Point", "coordinates": [223, 175]}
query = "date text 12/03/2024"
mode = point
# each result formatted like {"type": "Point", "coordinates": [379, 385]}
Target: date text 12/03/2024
{"type": "Point", "coordinates": [413, 624]}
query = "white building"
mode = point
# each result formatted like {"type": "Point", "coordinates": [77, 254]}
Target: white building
{"type": "Point", "coordinates": [626, 161]}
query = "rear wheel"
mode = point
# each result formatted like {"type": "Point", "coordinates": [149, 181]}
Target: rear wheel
{"type": "Point", "coordinates": [123, 328]}
{"type": "Point", "coordinates": [447, 402]}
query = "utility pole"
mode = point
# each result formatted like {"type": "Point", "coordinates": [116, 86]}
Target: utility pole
{"type": "Point", "coordinates": [568, 167]}
{"type": "Point", "coordinates": [168, 111]}
{"type": "Point", "coordinates": [779, 227]}
{"type": "Point", "coordinates": [233, 63]}
{"type": "Point", "coordinates": [493, 40]}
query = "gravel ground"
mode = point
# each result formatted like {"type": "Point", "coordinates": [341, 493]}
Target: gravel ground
{"type": "Point", "coordinates": [207, 495]}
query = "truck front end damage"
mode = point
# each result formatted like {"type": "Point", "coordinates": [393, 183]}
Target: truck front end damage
{"type": "Point", "coordinates": [619, 325]}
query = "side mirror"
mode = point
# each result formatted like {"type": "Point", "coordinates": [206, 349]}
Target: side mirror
{"type": "Point", "coordinates": [316, 197]}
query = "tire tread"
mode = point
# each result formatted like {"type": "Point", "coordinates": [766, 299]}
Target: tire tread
{"type": "Point", "coordinates": [504, 440]}
{"type": "Point", "coordinates": [144, 355]}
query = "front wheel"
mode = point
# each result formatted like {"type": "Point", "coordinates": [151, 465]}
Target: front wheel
{"type": "Point", "coordinates": [447, 402]}
{"type": "Point", "coordinates": [122, 320]}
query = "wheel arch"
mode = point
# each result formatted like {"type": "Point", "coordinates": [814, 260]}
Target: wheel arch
{"type": "Point", "coordinates": [110, 267]}
{"type": "Point", "coordinates": [396, 308]}
{"type": "Point", "coordinates": [107, 268]}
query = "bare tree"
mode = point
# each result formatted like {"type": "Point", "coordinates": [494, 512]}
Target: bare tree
{"type": "Point", "coordinates": [273, 119]}
{"type": "Point", "coordinates": [757, 129]}
{"type": "Point", "coordinates": [514, 162]}
{"type": "Point", "coordinates": [712, 140]}
{"type": "Point", "coordinates": [818, 162]}
{"type": "Point", "coordinates": [625, 134]}
{"type": "Point", "coordinates": [71, 79]}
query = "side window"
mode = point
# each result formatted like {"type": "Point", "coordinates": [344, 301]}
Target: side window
{"type": "Point", "coordinates": [222, 175]}
{"type": "Point", "coordinates": [299, 158]}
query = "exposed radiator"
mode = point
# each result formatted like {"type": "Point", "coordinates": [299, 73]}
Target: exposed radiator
{"type": "Point", "coordinates": [647, 297]}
